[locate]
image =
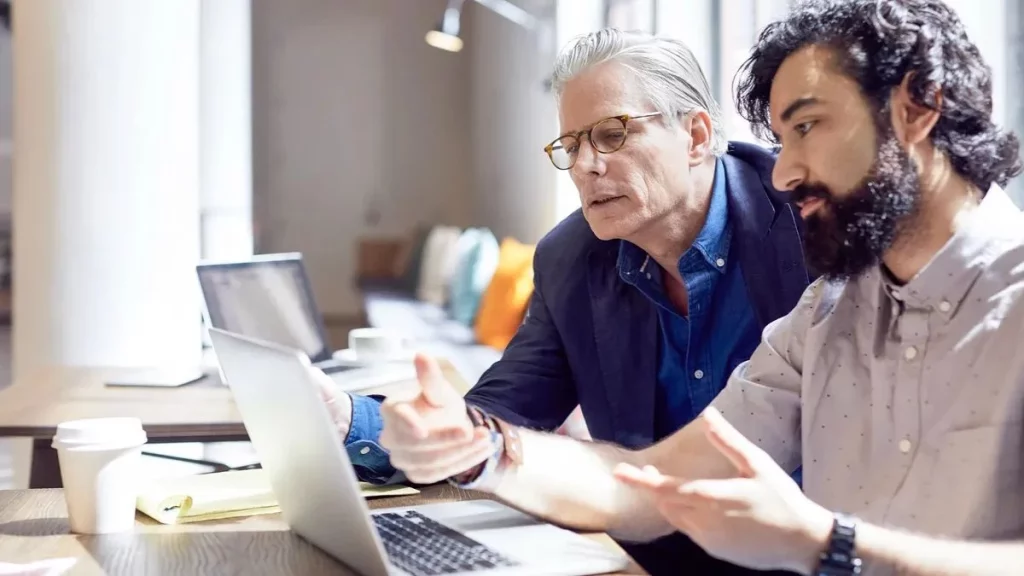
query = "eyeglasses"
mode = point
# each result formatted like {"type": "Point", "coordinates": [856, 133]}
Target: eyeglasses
{"type": "Point", "coordinates": [606, 136]}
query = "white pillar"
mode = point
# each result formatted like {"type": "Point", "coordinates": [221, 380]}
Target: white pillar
{"type": "Point", "coordinates": [225, 164]}
{"type": "Point", "coordinates": [226, 129]}
{"type": "Point", "coordinates": [106, 184]}
{"type": "Point", "coordinates": [692, 23]}
{"type": "Point", "coordinates": [106, 180]}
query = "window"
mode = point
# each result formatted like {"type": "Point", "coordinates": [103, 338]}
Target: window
{"type": "Point", "coordinates": [720, 33]}
{"type": "Point", "coordinates": [630, 15]}
{"type": "Point", "coordinates": [1015, 83]}
{"type": "Point", "coordinates": [690, 22]}
{"type": "Point", "coordinates": [997, 29]}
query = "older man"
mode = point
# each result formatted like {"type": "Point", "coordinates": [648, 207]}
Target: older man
{"type": "Point", "coordinates": [897, 381]}
{"type": "Point", "coordinates": [646, 298]}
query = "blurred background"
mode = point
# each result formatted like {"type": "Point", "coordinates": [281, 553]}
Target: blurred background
{"type": "Point", "coordinates": [140, 136]}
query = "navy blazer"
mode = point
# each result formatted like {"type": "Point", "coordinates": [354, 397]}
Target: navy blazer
{"type": "Point", "coordinates": [589, 338]}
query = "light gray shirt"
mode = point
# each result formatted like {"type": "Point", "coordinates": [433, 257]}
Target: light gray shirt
{"type": "Point", "coordinates": [904, 403]}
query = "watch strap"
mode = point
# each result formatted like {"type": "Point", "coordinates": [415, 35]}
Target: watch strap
{"type": "Point", "coordinates": [840, 556]}
{"type": "Point", "coordinates": [508, 448]}
{"type": "Point", "coordinates": [512, 442]}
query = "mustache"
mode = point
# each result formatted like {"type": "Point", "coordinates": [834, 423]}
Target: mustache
{"type": "Point", "coordinates": [805, 192]}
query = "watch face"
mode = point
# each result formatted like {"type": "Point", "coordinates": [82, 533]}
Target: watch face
{"type": "Point", "coordinates": [848, 522]}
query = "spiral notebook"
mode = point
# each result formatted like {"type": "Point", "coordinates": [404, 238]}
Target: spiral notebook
{"type": "Point", "coordinates": [221, 495]}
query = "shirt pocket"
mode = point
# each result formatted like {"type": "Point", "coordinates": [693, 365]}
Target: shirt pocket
{"type": "Point", "coordinates": [988, 447]}
{"type": "Point", "coordinates": [974, 488]}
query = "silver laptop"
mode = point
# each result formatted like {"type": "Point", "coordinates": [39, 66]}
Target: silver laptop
{"type": "Point", "coordinates": [269, 297]}
{"type": "Point", "coordinates": [320, 497]}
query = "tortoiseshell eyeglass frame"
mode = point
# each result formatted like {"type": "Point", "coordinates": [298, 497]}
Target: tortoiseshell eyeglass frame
{"type": "Point", "coordinates": [623, 118]}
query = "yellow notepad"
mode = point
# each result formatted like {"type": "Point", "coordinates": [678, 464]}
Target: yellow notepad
{"type": "Point", "coordinates": [222, 495]}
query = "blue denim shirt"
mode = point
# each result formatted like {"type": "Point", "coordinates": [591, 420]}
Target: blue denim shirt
{"type": "Point", "coordinates": [369, 459]}
{"type": "Point", "coordinates": [697, 352]}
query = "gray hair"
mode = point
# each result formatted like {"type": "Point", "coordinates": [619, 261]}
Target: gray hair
{"type": "Point", "coordinates": [666, 69]}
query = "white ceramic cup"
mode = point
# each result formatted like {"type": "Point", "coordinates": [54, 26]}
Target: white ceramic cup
{"type": "Point", "coordinates": [99, 467]}
{"type": "Point", "coordinates": [374, 344]}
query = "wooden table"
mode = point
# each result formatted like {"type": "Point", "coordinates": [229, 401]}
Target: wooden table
{"type": "Point", "coordinates": [200, 412]}
{"type": "Point", "coordinates": [33, 527]}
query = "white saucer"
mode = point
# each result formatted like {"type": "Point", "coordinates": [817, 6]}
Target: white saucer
{"type": "Point", "coordinates": [348, 357]}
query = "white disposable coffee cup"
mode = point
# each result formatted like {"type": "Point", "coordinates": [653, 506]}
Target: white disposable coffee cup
{"type": "Point", "coordinates": [99, 467]}
{"type": "Point", "coordinates": [374, 344]}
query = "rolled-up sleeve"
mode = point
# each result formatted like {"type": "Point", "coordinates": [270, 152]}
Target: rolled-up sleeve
{"type": "Point", "coordinates": [371, 462]}
{"type": "Point", "coordinates": [762, 397]}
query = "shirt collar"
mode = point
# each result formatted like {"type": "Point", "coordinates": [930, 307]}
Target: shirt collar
{"type": "Point", "coordinates": [944, 282]}
{"type": "Point", "coordinates": [711, 245]}
{"type": "Point", "coordinates": [714, 238]}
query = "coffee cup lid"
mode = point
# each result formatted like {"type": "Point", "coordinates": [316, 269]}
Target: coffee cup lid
{"type": "Point", "coordinates": [116, 432]}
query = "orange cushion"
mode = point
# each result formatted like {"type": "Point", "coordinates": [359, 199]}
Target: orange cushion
{"type": "Point", "coordinates": [504, 303]}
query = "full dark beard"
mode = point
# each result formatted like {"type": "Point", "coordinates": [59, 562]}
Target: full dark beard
{"type": "Point", "coordinates": [849, 235]}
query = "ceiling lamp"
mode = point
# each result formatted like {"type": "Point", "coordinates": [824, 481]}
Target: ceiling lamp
{"type": "Point", "coordinates": [446, 35]}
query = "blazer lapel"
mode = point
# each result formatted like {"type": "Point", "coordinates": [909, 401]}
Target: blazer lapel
{"type": "Point", "coordinates": [785, 241]}
{"type": "Point", "coordinates": [768, 238]}
{"type": "Point", "coordinates": [625, 332]}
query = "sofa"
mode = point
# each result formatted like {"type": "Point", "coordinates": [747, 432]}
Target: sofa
{"type": "Point", "coordinates": [451, 292]}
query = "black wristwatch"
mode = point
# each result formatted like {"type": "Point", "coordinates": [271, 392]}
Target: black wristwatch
{"type": "Point", "coordinates": [840, 557]}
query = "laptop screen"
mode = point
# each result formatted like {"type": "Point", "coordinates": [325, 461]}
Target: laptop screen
{"type": "Point", "coordinates": [267, 298]}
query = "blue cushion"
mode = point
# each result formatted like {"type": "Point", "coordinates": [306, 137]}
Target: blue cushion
{"type": "Point", "coordinates": [473, 273]}
{"type": "Point", "coordinates": [464, 251]}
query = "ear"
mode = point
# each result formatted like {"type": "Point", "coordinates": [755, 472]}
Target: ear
{"type": "Point", "coordinates": [913, 122]}
{"type": "Point", "coordinates": [698, 124]}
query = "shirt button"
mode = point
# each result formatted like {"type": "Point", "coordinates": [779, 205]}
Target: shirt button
{"type": "Point", "coordinates": [945, 306]}
{"type": "Point", "coordinates": [648, 275]}
{"type": "Point", "coordinates": [895, 293]}
{"type": "Point", "coordinates": [698, 374]}
{"type": "Point", "coordinates": [364, 450]}
{"type": "Point", "coordinates": [905, 446]}
{"type": "Point", "coordinates": [720, 262]}
{"type": "Point", "coordinates": [910, 353]}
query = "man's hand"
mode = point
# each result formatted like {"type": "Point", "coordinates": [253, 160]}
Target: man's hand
{"type": "Point", "coordinates": [430, 436]}
{"type": "Point", "coordinates": [759, 519]}
{"type": "Point", "coordinates": [339, 404]}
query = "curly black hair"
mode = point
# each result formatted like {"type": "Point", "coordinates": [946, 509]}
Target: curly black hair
{"type": "Point", "coordinates": [879, 42]}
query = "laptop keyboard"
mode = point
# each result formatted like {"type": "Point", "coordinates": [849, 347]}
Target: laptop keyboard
{"type": "Point", "coordinates": [424, 547]}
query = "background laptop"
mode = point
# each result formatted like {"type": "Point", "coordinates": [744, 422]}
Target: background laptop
{"type": "Point", "coordinates": [320, 500]}
{"type": "Point", "coordinates": [269, 297]}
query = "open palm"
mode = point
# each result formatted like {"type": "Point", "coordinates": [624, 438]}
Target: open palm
{"type": "Point", "coordinates": [430, 436]}
{"type": "Point", "coordinates": [759, 518]}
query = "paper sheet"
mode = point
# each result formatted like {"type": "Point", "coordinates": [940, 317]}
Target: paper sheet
{"type": "Point", "coordinates": [232, 494]}
{"type": "Point", "coordinates": [54, 567]}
